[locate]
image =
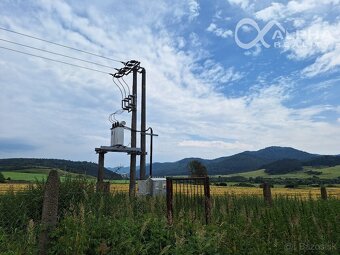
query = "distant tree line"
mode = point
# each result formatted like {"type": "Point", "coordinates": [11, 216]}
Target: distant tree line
{"type": "Point", "coordinates": [79, 167]}
{"type": "Point", "coordinates": [314, 180]}
{"type": "Point", "coordinates": [285, 166]}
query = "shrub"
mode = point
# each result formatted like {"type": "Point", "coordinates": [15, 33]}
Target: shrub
{"type": "Point", "coordinates": [2, 178]}
{"type": "Point", "coordinates": [244, 184]}
{"type": "Point", "coordinates": [221, 184]}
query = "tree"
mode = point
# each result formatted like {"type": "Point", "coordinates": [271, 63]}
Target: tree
{"type": "Point", "coordinates": [197, 169]}
{"type": "Point", "coordinates": [2, 177]}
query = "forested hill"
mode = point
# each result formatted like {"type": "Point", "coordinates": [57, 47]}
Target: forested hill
{"type": "Point", "coordinates": [80, 167]}
{"type": "Point", "coordinates": [242, 162]}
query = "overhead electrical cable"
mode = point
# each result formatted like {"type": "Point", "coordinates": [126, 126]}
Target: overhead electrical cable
{"type": "Point", "coordinates": [55, 60]}
{"type": "Point", "coordinates": [121, 92]}
{"type": "Point", "coordinates": [126, 85]}
{"type": "Point", "coordinates": [61, 45]}
{"type": "Point", "coordinates": [55, 53]}
{"type": "Point", "coordinates": [125, 95]}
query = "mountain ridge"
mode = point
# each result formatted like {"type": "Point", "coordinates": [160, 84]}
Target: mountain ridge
{"type": "Point", "coordinates": [238, 163]}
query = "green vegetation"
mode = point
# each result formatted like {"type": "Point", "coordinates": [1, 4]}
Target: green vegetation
{"type": "Point", "coordinates": [19, 176]}
{"type": "Point", "coordinates": [197, 169]}
{"type": "Point", "coordinates": [324, 161]}
{"type": "Point", "coordinates": [93, 223]}
{"type": "Point", "coordinates": [77, 167]}
{"type": "Point", "coordinates": [326, 173]}
{"type": "Point", "coordinates": [2, 178]}
{"type": "Point", "coordinates": [36, 174]}
{"type": "Point", "coordinates": [283, 166]}
{"type": "Point", "coordinates": [241, 162]}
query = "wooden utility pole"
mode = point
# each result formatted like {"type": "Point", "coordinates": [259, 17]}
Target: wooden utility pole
{"type": "Point", "coordinates": [132, 186]}
{"type": "Point", "coordinates": [100, 177]}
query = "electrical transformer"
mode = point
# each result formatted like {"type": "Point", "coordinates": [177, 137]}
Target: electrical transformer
{"type": "Point", "coordinates": [152, 187]}
{"type": "Point", "coordinates": [117, 134]}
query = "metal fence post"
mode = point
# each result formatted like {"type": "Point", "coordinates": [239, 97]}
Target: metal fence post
{"type": "Point", "coordinates": [207, 200]}
{"type": "Point", "coordinates": [49, 210]}
{"type": "Point", "coordinates": [169, 200]}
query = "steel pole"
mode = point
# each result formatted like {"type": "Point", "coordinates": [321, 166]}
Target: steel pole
{"type": "Point", "coordinates": [143, 127]}
{"type": "Point", "coordinates": [151, 150]}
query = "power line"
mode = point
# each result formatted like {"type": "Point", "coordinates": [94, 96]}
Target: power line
{"type": "Point", "coordinates": [124, 86]}
{"type": "Point", "coordinates": [55, 53]}
{"type": "Point", "coordinates": [119, 87]}
{"type": "Point", "coordinates": [61, 45]}
{"type": "Point", "coordinates": [55, 60]}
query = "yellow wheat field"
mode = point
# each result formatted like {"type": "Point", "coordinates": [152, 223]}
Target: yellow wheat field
{"type": "Point", "coordinates": [239, 191]}
{"type": "Point", "coordinates": [5, 187]}
{"type": "Point", "coordinates": [214, 190]}
{"type": "Point", "coordinates": [302, 192]}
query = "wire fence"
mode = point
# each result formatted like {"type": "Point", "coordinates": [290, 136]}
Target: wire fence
{"type": "Point", "coordinates": [188, 194]}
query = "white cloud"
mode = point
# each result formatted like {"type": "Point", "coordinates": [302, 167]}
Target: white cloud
{"type": "Point", "coordinates": [224, 33]}
{"type": "Point", "coordinates": [246, 29]}
{"type": "Point", "coordinates": [63, 111]}
{"type": "Point", "coordinates": [256, 52]}
{"type": "Point", "coordinates": [194, 8]}
{"type": "Point", "coordinates": [314, 38]}
{"type": "Point", "coordinates": [214, 73]}
{"type": "Point", "coordinates": [244, 4]}
{"type": "Point", "coordinates": [274, 11]}
{"type": "Point", "coordinates": [280, 11]}
{"type": "Point", "coordinates": [215, 145]}
{"type": "Point", "coordinates": [320, 40]}
{"type": "Point", "coordinates": [327, 62]}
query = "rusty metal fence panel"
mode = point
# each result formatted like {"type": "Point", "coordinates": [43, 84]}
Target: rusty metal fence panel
{"type": "Point", "coordinates": [190, 196]}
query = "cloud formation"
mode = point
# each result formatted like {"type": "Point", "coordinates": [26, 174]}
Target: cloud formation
{"type": "Point", "coordinates": [63, 111]}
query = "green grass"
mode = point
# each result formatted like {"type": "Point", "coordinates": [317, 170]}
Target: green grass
{"type": "Point", "coordinates": [39, 174]}
{"type": "Point", "coordinates": [327, 173]}
{"type": "Point", "coordinates": [20, 176]}
{"type": "Point", "coordinates": [95, 223]}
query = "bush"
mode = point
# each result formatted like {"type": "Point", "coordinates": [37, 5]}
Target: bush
{"type": "Point", "coordinates": [2, 178]}
{"type": "Point", "coordinates": [221, 184]}
{"type": "Point", "coordinates": [292, 186]}
{"type": "Point", "coordinates": [244, 184]}
{"type": "Point", "coordinates": [311, 172]}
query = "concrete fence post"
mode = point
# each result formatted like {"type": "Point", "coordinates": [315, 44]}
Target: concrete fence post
{"type": "Point", "coordinates": [267, 194]}
{"type": "Point", "coordinates": [50, 210]}
{"type": "Point", "coordinates": [323, 193]}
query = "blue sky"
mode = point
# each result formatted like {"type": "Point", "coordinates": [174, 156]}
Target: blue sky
{"type": "Point", "coordinates": [207, 96]}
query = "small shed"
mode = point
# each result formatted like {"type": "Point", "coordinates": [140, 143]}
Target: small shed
{"type": "Point", "coordinates": [152, 186]}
